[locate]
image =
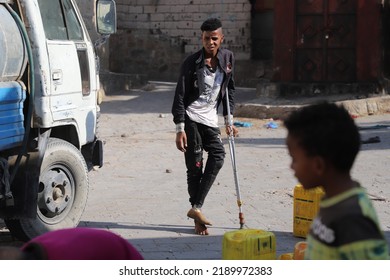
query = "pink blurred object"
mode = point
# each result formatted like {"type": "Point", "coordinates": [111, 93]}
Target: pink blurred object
{"type": "Point", "coordinates": [81, 244]}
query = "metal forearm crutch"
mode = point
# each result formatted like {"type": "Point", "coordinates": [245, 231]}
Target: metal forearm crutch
{"type": "Point", "coordinates": [233, 158]}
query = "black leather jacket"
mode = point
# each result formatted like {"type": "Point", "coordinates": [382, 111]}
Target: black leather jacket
{"type": "Point", "coordinates": [187, 90]}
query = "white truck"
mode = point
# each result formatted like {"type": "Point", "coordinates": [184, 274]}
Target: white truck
{"type": "Point", "coordinates": [49, 106]}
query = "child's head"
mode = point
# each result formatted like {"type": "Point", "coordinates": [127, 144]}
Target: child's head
{"type": "Point", "coordinates": [321, 137]}
{"type": "Point", "coordinates": [212, 36]}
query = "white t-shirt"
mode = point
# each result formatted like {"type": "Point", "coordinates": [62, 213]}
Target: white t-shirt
{"type": "Point", "coordinates": [204, 109]}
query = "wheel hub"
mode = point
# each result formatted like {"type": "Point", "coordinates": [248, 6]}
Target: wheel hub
{"type": "Point", "coordinates": [56, 193]}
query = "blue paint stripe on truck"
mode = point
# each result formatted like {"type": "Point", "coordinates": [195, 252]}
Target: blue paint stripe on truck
{"type": "Point", "coordinates": [12, 97]}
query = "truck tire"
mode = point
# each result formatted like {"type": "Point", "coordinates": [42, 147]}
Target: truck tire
{"type": "Point", "coordinates": [62, 195]}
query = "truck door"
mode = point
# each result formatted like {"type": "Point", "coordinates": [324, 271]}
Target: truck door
{"type": "Point", "coordinates": [73, 79]}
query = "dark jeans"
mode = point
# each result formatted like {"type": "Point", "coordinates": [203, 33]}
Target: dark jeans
{"type": "Point", "coordinates": [202, 138]}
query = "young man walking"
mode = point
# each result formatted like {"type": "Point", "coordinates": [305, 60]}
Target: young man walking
{"type": "Point", "coordinates": [206, 80]}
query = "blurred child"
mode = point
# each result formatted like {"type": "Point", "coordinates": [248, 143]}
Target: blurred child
{"type": "Point", "coordinates": [323, 141]}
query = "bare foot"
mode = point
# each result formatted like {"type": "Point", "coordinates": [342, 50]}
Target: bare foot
{"type": "Point", "coordinates": [197, 215]}
{"type": "Point", "coordinates": [201, 229]}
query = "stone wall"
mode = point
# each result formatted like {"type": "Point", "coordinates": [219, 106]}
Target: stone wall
{"type": "Point", "coordinates": [154, 36]}
{"type": "Point", "coordinates": [180, 20]}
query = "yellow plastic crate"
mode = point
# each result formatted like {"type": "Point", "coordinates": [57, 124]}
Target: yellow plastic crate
{"type": "Point", "coordinates": [249, 244]}
{"type": "Point", "coordinates": [306, 206]}
{"type": "Point", "coordinates": [286, 256]}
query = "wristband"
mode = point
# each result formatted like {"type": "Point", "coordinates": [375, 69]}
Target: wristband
{"type": "Point", "coordinates": [179, 127]}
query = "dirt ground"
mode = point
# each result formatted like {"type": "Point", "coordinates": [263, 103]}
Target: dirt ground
{"type": "Point", "coordinates": [140, 193]}
{"type": "Point", "coordinates": [141, 154]}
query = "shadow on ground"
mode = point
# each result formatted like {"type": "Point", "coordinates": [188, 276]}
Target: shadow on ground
{"type": "Point", "coordinates": [195, 247]}
{"type": "Point", "coordinates": [186, 245]}
{"type": "Point", "coordinates": [156, 99]}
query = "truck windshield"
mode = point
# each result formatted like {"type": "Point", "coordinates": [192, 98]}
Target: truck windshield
{"type": "Point", "coordinates": [60, 20]}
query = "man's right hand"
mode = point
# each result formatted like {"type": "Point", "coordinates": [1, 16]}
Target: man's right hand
{"type": "Point", "coordinates": [181, 141]}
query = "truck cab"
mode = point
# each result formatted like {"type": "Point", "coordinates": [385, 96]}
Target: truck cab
{"type": "Point", "coordinates": [49, 89]}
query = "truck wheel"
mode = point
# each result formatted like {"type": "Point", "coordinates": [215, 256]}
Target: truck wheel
{"type": "Point", "coordinates": [62, 195]}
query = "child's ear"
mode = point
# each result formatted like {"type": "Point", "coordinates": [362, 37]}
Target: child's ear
{"type": "Point", "coordinates": [319, 165]}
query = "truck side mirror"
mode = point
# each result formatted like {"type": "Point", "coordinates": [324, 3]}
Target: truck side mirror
{"type": "Point", "coordinates": [106, 17]}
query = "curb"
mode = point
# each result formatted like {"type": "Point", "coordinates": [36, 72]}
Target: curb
{"type": "Point", "coordinates": [357, 108]}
